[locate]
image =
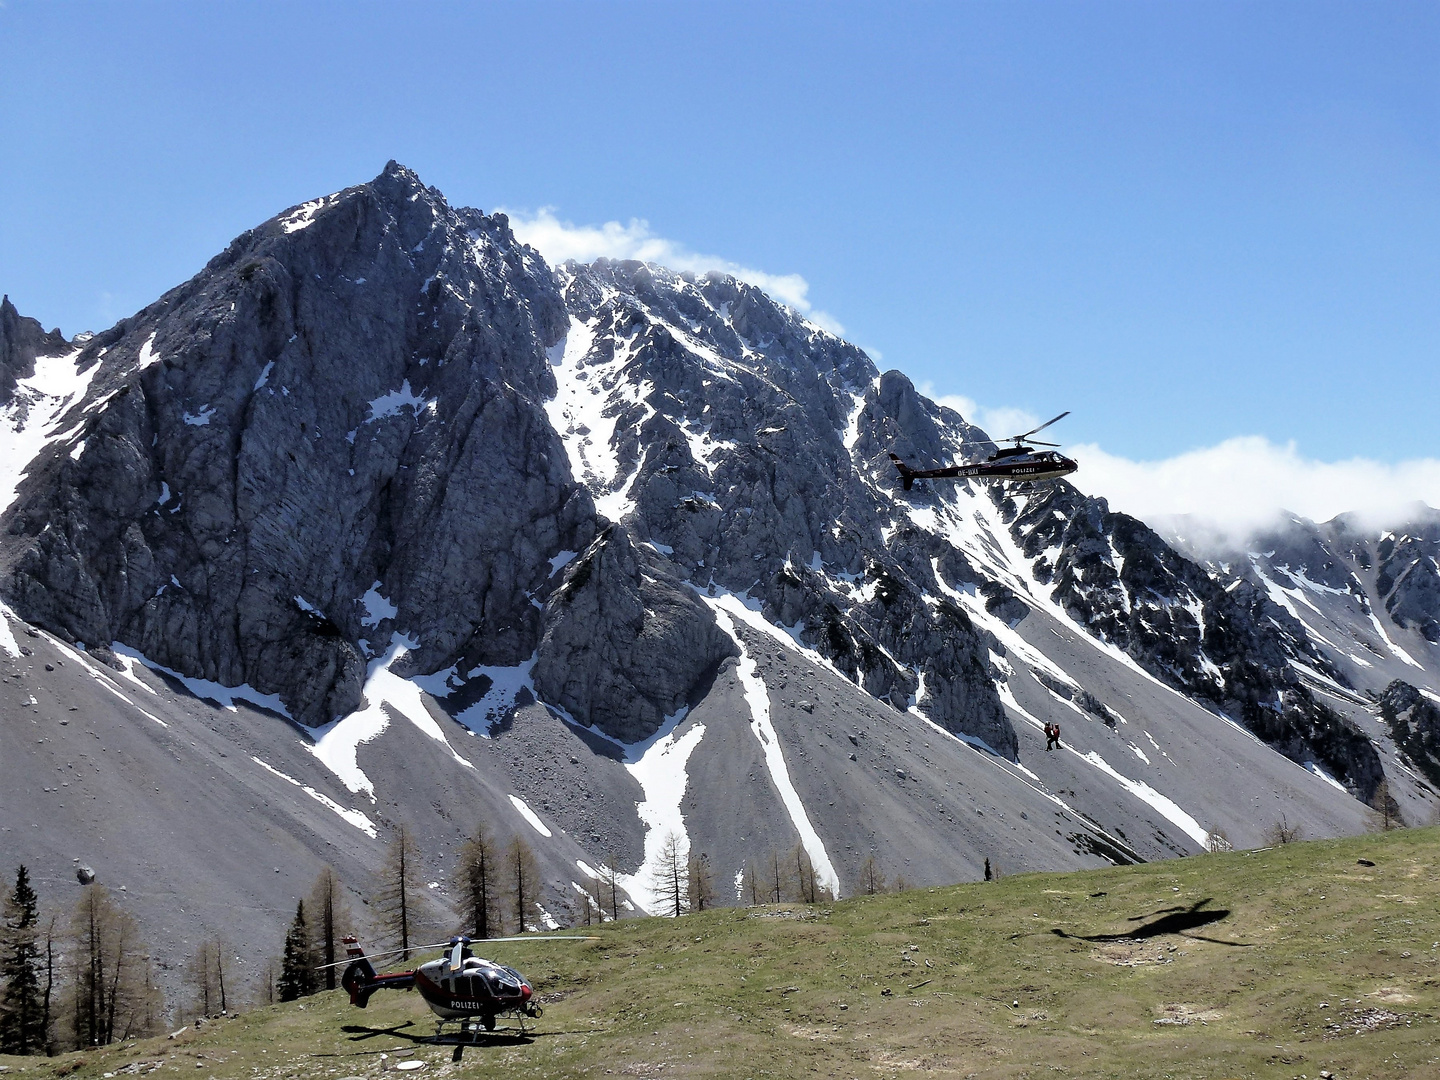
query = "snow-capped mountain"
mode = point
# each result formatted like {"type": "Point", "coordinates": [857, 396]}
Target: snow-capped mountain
{"type": "Point", "coordinates": [381, 519]}
{"type": "Point", "coordinates": [1367, 601]}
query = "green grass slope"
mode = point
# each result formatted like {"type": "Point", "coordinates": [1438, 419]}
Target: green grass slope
{"type": "Point", "coordinates": [1275, 963]}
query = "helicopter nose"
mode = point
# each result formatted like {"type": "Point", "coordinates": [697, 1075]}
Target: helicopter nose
{"type": "Point", "coordinates": [524, 991]}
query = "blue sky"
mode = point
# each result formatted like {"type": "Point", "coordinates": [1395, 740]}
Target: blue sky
{"type": "Point", "coordinates": [1187, 223]}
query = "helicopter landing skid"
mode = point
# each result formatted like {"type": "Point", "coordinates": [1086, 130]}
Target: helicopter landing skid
{"type": "Point", "coordinates": [474, 1033]}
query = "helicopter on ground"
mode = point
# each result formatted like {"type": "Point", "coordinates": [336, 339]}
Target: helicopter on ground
{"type": "Point", "coordinates": [459, 987]}
{"type": "Point", "coordinates": [1020, 463]}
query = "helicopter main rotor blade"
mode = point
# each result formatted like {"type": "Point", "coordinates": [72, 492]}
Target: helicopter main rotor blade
{"type": "Point", "coordinates": [1043, 426]}
{"type": "Point", "coordinates": [474, 943]}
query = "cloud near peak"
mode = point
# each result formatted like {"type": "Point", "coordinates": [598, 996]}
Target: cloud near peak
{"type": "Point", "coordinates": [559, 240]}
{"type": "Point", "coordinates": [1245, 484]}
{"type": "Point", "coordinates": [1228, 492]}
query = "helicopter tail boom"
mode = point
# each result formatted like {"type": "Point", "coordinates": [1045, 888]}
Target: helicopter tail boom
{"type": "Point", "coordinates": [361, 981]}
{"type": "Point", "coordinates": [907, 474]}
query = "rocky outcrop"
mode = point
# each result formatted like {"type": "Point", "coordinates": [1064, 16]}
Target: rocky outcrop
{"type": "Point", "coordinates": [21, 341]}
{"type": "Point", "coordinates": [1229, 647]}
{"type": "Point", "coordinates": [1408, 575]}
{"type": "Point", "coordinates": [1414, 722]}
{"type": "Point", "coordinates": [625, 641]}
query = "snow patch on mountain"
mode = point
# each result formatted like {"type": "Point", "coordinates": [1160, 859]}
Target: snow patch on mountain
{"type": "Point", "coordinates": [27, 420]}
{"type": "Point", "coordinates": [226, 696]}
{"type": "Point", "coordinates": [757, 696]}
{"type": "Point", "coordinates": [658, 765]}
{"type": "Point", "coordinates": [337, 743]}
{"type": "Point", "coordinates": [353, 817]}
{"type": "Point", "coordinates": [530, 816]}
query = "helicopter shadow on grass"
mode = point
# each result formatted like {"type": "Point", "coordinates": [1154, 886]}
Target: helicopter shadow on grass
{"type": "Point", "coordinates": [1172, 920]}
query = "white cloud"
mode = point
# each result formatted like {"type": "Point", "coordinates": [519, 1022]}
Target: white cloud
{"type": "Point", "coordinates": [998, 423]}
{"type": "Point", "coordinates": [560, 240]}
{"type": "Point", "coordinates": [1246, 483]}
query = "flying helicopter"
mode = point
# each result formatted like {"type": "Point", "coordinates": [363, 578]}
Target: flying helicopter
{"type": "Point", "coordinates": [459, 987]}
{"type": "Point", "coordinates": [1018, 463]}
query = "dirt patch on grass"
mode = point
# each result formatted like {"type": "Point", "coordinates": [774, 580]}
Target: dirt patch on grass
{"type": "Point", "coordinates": [1183, 1013]}
{"type": "Point", "coordinates": [1392, 995]}
{"type": "Point", "coordinates": [1134, 953]}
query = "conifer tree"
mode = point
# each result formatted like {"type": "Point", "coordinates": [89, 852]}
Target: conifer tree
{"type": "Point", "coordinates": [114, 995]}
{"type": "Point", "coordinates": [396, 898]}
{"type": "Point", "coordinates": [24, 1019]}
{"type": "Point", "coordinates": [330, 922]}
{"type": "Point", "coordinates": [523, 873]}
{"type": "Point", "coordinates": [297, 976]}
{"type": "Point", "coordinates": [670, 879]}
{"type": "Point", "coordinates": [477, 882]}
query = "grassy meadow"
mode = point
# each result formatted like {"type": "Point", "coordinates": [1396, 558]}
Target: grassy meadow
{"type": "Point", "coordinates": [1294, 961]}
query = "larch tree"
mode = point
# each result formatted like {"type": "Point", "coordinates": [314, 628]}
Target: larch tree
{"type": "Point", "coordinates": [206, 975]}
{"type": "Point", "coordinates": [1386, 810]}
{"type": "Point", "coordinates": [523, 878]}
{"type": "Point", "coordinates": [114, 995]}
{"type": "Point", "coordinates": [329, 923]}
{"type": "Point", "coordinates": [609, 890]}
{"type": "Point", "coordinates": [701, 885]}
{"type": "Point", "coordinates": [774, 883]}
{"type": "Point", "coordinates": [669, 878]}
{"type": "Point", "coordinates": [805, 884]}
{"type": "Point", "coordinates": [24, 1015]}
{"type": "Point", "coordinates": [399, 889]}
{"type": "Point", "coordinates": [297, 973]}
{"type": "Point", "coordinates": [751, 882]}
{"type": "Point", "coordinates": [872, 878]}
{"type": "Point", "coordinates": [477, 882]}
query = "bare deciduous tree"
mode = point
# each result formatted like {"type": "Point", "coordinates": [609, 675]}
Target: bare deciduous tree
{"type": "Point", "coordinates": [670, 880]}
{"type": "Point", "coordinates": [206, 976]}
{"type": "Point", "coordinates": [609, 890]}
{"type": "Point", "coordinates": [523, 874]}
{"type": "Point", "coordinates": [701, 887]}
{"type": "Point", "coordinates": [395, 900]}
{"type": "Point", "coordinates": [805, 890]}
{"type": "Point", "coordinates": [329, 923]}
{"type": "Point", "coordinates": [1386, 809]}
{"type": "Point", "coordinates": [872, 878]}
{"type": "Point", "coordinates": [1282, 832]}
{"type": "Point", "coordinates": [477, 883]}
{"type": "Point", "coordinates": [114, 992]}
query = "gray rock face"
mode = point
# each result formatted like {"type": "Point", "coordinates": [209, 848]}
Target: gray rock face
{"type": "Point", "coordinates": [733, 430]}
{"type": "Point", "coordinates": [625, 641]}
{"type": "Point", "coordinates": [347, 399]}
{"type": "Point", "coordinates": [1408, 576]}
{"type": "Point", "coordinates": [1414, 723]}
{"type": "Point", "coordinates": [1232, 648]}
{"type": "Point", "coordinates": [21, 341]}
